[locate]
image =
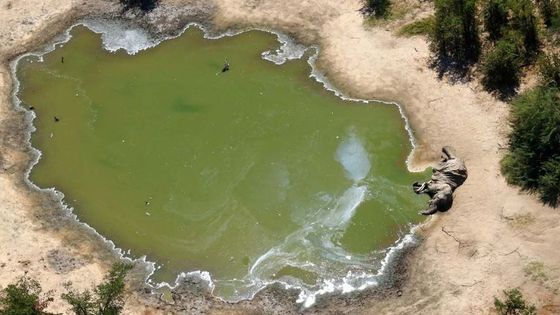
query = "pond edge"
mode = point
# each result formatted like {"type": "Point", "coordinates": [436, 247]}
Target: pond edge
{"type": "Point", "coordinates": [288, 50]}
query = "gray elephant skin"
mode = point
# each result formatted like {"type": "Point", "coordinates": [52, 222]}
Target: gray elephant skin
{"type": "Point", "coordinates": [449, 174]}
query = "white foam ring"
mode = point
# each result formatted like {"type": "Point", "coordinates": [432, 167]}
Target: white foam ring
{"type": "Point", "coordinates": [288, 50]}
{"type": "Point", "coordinates": [117, 35]}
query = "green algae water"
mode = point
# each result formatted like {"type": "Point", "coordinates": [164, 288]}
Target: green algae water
{"type": "Point", "coordinates": [255, 175]}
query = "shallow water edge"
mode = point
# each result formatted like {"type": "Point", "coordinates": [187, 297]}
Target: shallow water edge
{"type": "Point", "coordinates": [120, 35]}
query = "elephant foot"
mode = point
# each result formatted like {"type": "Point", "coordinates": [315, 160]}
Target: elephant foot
{"type": "Point", "coordinates": [429, 211]}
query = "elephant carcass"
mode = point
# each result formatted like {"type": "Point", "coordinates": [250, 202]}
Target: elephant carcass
{"type": "Point", "coordinates": [449, 174]}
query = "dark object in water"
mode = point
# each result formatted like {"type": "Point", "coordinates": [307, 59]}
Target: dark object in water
{"type": "Point", "coordinates": [31, 108]}
{"type": "Point", "coordinates": [226, 66]}
{"type": "Point", "coordinates": [449, 174]}
{"type": "Point", "coordinates": [62, 59]}
{"type": "Point", "coordinates": [56, 119]}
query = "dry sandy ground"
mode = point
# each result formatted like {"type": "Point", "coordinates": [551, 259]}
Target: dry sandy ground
{"type": "Point", "coordinates": [494, 237]}
{"type": "Point", "coordinates": [29, 241]}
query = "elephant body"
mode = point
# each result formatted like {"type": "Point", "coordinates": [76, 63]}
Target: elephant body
{"type": "Point", "coordinates": [449, 174]}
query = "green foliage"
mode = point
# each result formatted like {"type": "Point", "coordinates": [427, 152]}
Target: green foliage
{"type": "Point", "coordinates": [549, 10]}
{"type": "Point", "coordinates": [144, 5]}
{"type": "Point", "coordinates": [534, 158]}
{"type": "Point", "coordinates": [554, 26]}
{"type": "Point", "coordinates": [424, 26]}
{"type": "Point", "coordinates": [524, 21]}
{"type": "Point", "coordinates": [549, 69]}
{"type": "Point", "coordinates": [455, 37]}
{"type": "Point", "coordinates": [549, 181]}
{"type": "Point", "coordinates": [106, 299]}
{"type": "Point", "coordinates": [23, 298]}
{"type": "Point", "coordinates": [495, 14]}
{"type": "Point", "coordinates": [514, 304]}
{"type": "Point", "coordinates": [377, 8]}
{"type": "Point", "coordinates": [82, 302]}
{"type": "Point", "coordinates": [501, 67]}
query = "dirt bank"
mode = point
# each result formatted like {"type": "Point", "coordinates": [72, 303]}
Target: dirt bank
{"type": "Point", "coordinates": [35, 237]}
{"type": "Point", "coordinates": [493, 238]}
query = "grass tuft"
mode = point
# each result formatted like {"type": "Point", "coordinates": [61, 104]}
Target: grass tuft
{"type": "Point", "coordinates": [424, 26]}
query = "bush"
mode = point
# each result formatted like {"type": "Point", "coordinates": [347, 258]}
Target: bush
{"type": "Point", "coordinates": [455, 37]}
{"type": "Point", "coordinates": [549, 181]}
{"type": "Point", "coordinates": [524, 21]}
{"type": "Point", "coordinates": [548, 9]}
{"type": "Point", "coordinates": [106, 299]}
{"type": "Point", "coordinates": [377, 8]}
{"type": "Point", "coordinates": [534, 158]}
{"type": "Point", "coordinates": [549, 69]}
{"type": "Point", "coordinates": [514, 304]}
{"type": "Point", "coordinates": [421, 27]}
{"type": "Point", "coordinates": [501, 67]}
{"type": "Point", "coordinates": [495, 14]}
{"type": "Point", "coordinates": [23, 298]}
{"type": "Point", "coordinates": [144, 5]}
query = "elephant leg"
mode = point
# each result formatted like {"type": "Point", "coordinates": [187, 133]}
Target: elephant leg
{"type": "Point", "coordinates": [431, 209]}
{"type": "Point", "coordinates": [441, 201]}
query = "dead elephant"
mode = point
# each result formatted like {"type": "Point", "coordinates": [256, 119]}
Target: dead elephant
{"type": "Point", "coordinates": [449, 174]}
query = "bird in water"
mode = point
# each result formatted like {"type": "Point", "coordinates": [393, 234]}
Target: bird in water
{"type": "Point", "coordinates": [226, 66]}
{"type": "Point", "coordinates": [56, 119]}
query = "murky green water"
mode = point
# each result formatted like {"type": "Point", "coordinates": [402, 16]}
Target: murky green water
{"type": "Point", "coordinates": [254, 174]}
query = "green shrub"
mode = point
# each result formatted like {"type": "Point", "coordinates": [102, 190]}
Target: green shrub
{"type": "Point", "coordinates": [549, 181]}
{"type": "Point", "coordinates": [555, 22]}
{"type": "Point", "coordinates": [377, 8]}
{"type": "Point", "coordinates": [495, 13]}
{"type": "Point", "coordinates": [106, 299]}
{"type": "Point", "coordinates": [455, 37]}
{"type": "Point", "coordinates": [424, 26]}
{"type": "Point", "coordinates": [524, 21]}
{"type": "Point", "coordinates": [534, 158]}
{"type": "Point", "coordinates": [23, 298]}
{"type": "Point", "coordinates": [549, 69]}
{"type": "Point", "coordinates": [501, 67]}
{"type": "Point", "coordinates": [514, 304]}
{"type": "Point", "coordinates": [549, 9]}
{"type": "Point", "coordinates": [144, 5]}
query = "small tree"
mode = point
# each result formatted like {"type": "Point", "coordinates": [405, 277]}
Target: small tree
{"type": "Point", "coordinates": [514, 304]}
{"type": "Point", "coordinates": [377, 8]}
{"type": "Point", "coordinates": [524, 21]}
{"type": "Point", "coordinates": [548, 9]}
{"type": "Point", "coordinates": [455, 36]}
{"type": "Point", "coordinates": [549, 181]}
{"type": "Point", "coordinates": [549, 69]}
{"type": "Point", "coordinates": [144, 5]}
{"type": "Point", "coordinates": [23, 298]}
{"type": "Point", "coordinates": [495, 14]}
{"type": "Point", "coordinates": [534, 143]}
{"type": "Point", "coordinates": [106, 299]}
{"type": "Point", "coordinates": [501, 67]}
